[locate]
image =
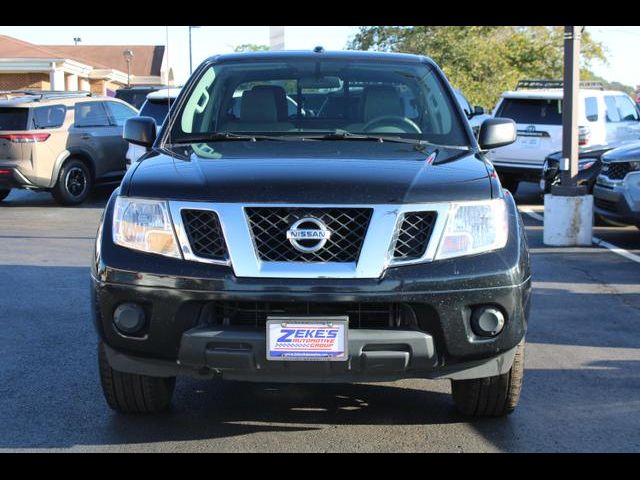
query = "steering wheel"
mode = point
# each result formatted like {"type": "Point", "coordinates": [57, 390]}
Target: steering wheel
{"type": "Point", "coordinates": [389, 121]}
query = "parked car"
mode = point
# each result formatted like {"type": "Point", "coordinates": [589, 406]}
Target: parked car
{"type": "Point", "coordinates": [605, 116]}
{"type": "Point", "coordinates": [156, 106]}
{"type": "Point", "coordinates": [61, 142]}
{"type": "Point", "coordinates": [589, 164]}
{"type": "Point", "coordinates": [616, 194]}
{"type": "Point", "coordinates": [476, 115]}
{"type": "Point", "coordinates": [136, 95]}
{"type": "Point", "coordinates": [354, 244]}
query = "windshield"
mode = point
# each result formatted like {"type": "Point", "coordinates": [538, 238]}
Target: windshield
{"type": "Point", "coordinates": [301, 97]}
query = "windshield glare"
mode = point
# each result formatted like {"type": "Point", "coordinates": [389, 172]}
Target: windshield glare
{"type": "Point", "coordinates": [299, 97]}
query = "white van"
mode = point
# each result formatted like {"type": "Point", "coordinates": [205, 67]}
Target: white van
{"type": "Point", "coordinates": [605, 116]}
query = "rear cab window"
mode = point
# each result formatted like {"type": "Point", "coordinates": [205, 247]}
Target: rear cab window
{"type": "Point", "coordinates": [532, 111]}
{"type": "Point", "coordinates": [12, 118]}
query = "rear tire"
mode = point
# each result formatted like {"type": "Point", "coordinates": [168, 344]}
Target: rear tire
{"type": "Point", "coordinates": [4, 193]}
{"type": "Point", "coordinates": [74, 183]}
{"type": "Point", "coordinates": [491, 396]}
{"type": "Point", "coordinates": [131, 393]}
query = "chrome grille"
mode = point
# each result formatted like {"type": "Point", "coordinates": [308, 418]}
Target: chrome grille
{"type": "Point", "coordinates": [269, 227]}
{"type": "Point", "coordinates": [414, 234]}
{"type": "Point", "coordinates": [204, 233]}
{"type": "Point", "coordinates": [617, 170]}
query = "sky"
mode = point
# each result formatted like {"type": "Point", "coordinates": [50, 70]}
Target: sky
{"type": "Point", "coordinates": [621, 42]}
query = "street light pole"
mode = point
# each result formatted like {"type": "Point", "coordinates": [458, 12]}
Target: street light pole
{"type": "Point", "coordinates": [190, 55]}
{"type": "Point", "coordinates": [128, 55]}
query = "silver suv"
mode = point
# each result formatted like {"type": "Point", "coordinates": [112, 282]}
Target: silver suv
{"type": "Point", "coordinates": [617, 189]}
{"type": "Point", "coordinates": [61, 142]}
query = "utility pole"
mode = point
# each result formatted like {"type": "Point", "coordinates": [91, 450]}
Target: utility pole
{"type": "Point", "coordinates": [276, 38]}
{"type": "Point", "coordinates": [568, 210]}
{"type": "Point", "coordinates": [190, 55]}
{"type": "Point", "coordinates": [571, 97]}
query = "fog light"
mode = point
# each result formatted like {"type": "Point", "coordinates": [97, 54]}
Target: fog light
{"type": "Point", "coordinates": [129, 318]}
{"type": "Point", "coordinates": [487, 321]}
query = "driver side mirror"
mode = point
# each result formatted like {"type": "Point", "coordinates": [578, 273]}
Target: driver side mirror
{"type": "Point", "coordinates": [496, 132]}
{"type": "Point", "coordinates": [140, 131]}
{"type": "Point", "coordinates": [478, 110]}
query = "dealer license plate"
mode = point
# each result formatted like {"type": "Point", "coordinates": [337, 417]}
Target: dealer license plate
{"type": "Point", "coordinates": [307, 338]}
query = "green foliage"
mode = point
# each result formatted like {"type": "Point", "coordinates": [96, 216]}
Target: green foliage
{"type": "Point", "coordinates": [250, 47]}
{"type": "Point", "coordinates": [483, 61]}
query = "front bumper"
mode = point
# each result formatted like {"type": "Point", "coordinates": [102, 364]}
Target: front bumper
{"type": "Point", "coordinates": [525, 172]}
{"type": "Point", "coordinates": [181, 338]}
{"type": "Point", "coordinates": [618, 199]}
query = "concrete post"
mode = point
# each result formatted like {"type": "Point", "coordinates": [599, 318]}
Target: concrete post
{"type": "Point", "coordinates": [568, 212]}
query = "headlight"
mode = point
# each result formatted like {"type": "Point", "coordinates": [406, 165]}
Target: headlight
{"type": "Point", "coordinates": [144, 225]}
{"type": "Point", "coordinates": [474, 227]}
{"type": "Point", "coordinates": [586, 163]}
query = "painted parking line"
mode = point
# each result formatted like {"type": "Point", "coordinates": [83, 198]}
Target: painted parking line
{"type": "Point", "coordinates": [596, 241]}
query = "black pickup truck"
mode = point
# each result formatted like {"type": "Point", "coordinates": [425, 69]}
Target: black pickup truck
{"type": "Point", "coordinates": [365, 239]}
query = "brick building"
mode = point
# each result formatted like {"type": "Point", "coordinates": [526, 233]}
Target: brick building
{"type": "Point", "coordinates": [101, 69]}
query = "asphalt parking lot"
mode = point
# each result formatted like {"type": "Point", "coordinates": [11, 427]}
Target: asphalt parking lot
{"type": "Point", "coordinates": [581, 390]}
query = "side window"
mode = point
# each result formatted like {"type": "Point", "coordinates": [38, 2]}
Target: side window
{"type": "Point", "coordinates": [626, 109]}
{"type": "Point", "coordinates": [51, 116]}
{"type": "Point", "coordinates": [591, 108]}
{"type": "Point", "coordinates": [91, 114]}
{"type": "Point", "coordinates": [120, 113]}
{"type": "Point", "coordinates": [612, 109]}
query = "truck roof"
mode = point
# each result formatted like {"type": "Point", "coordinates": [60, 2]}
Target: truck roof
{"type": "Point", "coordinates": [309, 54]}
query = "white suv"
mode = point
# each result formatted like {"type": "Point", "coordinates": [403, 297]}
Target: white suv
{"type": "Point", "coordinates": [156, 106]}
{"type": "Point", "coordinates": [605, 116]}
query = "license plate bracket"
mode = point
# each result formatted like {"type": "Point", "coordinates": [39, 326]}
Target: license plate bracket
{"type": "Point", "coordinates": [307, 338]}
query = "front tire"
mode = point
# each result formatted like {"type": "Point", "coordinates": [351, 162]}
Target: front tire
{"type": "Point", "coordinates": [131, 393]}
{"type": "Point", "coordinates": [4, 193]}
{"type": "Point", "coordinates": [491, 396]}
{"type": "Point", "coordinates": [74, 183]}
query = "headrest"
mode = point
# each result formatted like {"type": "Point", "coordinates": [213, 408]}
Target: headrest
{"type": "Point", "coordinates": [281, 99]}
{"type": "Point", "coordinates": [259, 105]}
{"type": "Point", "coordinates": [381, 100]}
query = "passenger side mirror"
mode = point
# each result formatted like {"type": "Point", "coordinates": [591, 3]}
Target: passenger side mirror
{"type": "Point", "coordinates": [140, 131]}
{"type": "Point", "coordinates": [496, 132]}
{"type": "Point", "coordinates": [477, 110]}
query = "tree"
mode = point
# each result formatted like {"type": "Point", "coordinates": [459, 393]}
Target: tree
{"type": "Point", "coordinates": [483, 61]}
{"type": "Point", "coordinates": [250, 47]}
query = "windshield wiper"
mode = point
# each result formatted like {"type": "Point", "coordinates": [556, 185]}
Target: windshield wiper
{"type": "Point", "coordinates": [344, 135]}
{"type": "Point", "coordinates": [221, 137]}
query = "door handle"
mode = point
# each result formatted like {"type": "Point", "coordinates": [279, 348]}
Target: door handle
{"type": "Point", "coordinates": [85, 136]}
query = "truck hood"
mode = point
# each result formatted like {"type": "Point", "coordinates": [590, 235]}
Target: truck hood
{"type": "Point", "coordinates": [340, 172]}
